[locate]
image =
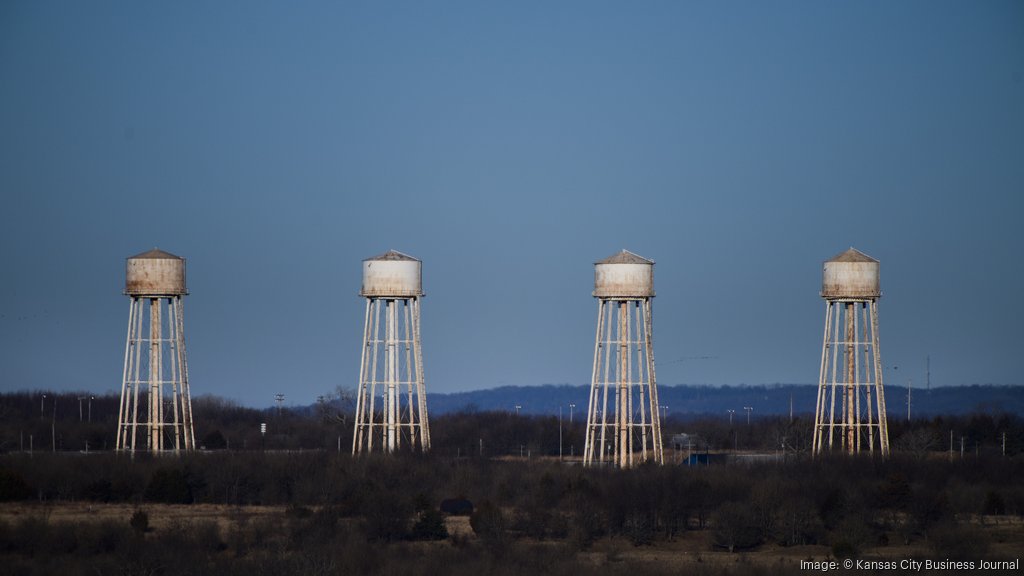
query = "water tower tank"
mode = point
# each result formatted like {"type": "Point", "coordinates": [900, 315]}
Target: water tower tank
{"type": "Point", "coordinates": [392, 274]}
{"type": "Point", "coordinates": [624, 275]}
{"type": "Point", "coordinates": [155, 273]}
{"type": "Point", "coordinates": [851, 275]}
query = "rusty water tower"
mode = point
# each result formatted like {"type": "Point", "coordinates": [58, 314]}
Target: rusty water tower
{"type": "Point", "coordinates": [850, 410]}
{"type": "Point", "coordinates": [391, 407]}
{"type": "Point", "coordinates": [156, 407]}
{"type": "Point", "coordinates": [623, 424]}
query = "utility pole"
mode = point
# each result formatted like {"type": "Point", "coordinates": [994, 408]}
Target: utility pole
{"type": "Point", "coordinates": [279, 398]}
{"type": "Point", "coordinates": [928, 373]}
{"type": "Point", "coordinates": [749, 409]}
{"type": "Point", "coordinates": [909, 382]}
{"type": "Point", "coordinates": [731, 412]}
{"type": "Point", "coordinates": [559, 432]}
{"type": "Point", "coordinates": [571, 406]}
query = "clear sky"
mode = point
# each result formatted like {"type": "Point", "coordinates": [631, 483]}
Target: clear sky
{"type": "Point", "coordinates": [509, 146]}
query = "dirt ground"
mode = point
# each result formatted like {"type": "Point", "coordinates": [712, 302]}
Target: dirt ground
{"type": "Point", "coordinates": [689, 550]}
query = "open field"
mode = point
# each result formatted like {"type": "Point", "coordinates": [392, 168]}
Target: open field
{"type": "Point", "coordinates": [296, 508]}
{"type": "Point", "coordinates": [275, 528]}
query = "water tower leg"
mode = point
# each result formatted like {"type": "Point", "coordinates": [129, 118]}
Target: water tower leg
{"type": "Point", "coordinates": [390, 370]}
{"type": "Point", "coordinates": [851, 377]}
{"type": "Point", "coordinates": [858, 382]}
{"type": "Point", "coordinates": [883, 426]}
{"type": "Point", "coordinates": [186, 391]}
{"type": "Point", "coordinates": [172, 325]}
{"type": "Point", "coordinates": [371, 415]}
{"type": "Point", "coordinates": [410, 377]}
{"type": "Point", "coordinates": [624, 417]}
{"type": "Point", "coordinates": [639, 318]}
{"type": "Point", "coordinates": [154, 374]}
{"type": "Point", "coordinates": [421, 392]}
{"type": "Point", "coordinates": [652, 382]}
{"type": "Point", "coordinates": [357, 434]}
{"type": "Point", "coordinates": [591, 431]}
{"type": "Point", "coordinates": [124, 409]}
{"type": "Point", "coordinates": [836, 316]}
{"type": "Point", "coordinates": [606, 384]}
{"type": "Point", "coordinates": [819, 405]}
{"type": "Point", "coordinates": [137, 383]}
{"type": "Point", "coordinates": [869, 375]}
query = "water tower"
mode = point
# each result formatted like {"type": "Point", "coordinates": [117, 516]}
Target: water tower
{"type": "Point", "coordinates": [850, 412]}
{"type": "Point", "coordinates": [626, 431]}
{"type": "Point", "coordinates": [391, 408]}
{"type": "Point", "coordinates": [155, 368]}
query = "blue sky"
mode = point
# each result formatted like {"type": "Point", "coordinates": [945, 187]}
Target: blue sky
{"type": "Point", "coordinates": [509, 146]}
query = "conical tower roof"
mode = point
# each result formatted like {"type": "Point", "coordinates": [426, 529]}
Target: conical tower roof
{"type": "Point", "coordinates": [625, 257]}
{"type": "Point", "coordinates": [156, 254]}
{"type": "Point", "coordinates": [852, 255]}
{"type": "Point", "coordinates": [393, 255]}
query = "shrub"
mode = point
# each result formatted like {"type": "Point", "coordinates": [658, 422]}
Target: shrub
{"type": "Point", "coordinates": [386, 516]}
{"type": "Point", "coordinates": [586, 525]}
{"type": "Point", "coordinates": [928, 507]}
{"type": "Point", "coordinates": [736, 527]}
{"type": "Point", "coordinates": [139, 521]}
{"type": "Point", "coordinates": [102, 537]}
{"type": "Point", "coordinates": [851, 536]}
{"type": "Point", "coordinates": [13, 486]}
{"type": "Point", "coordinates": [168, 485]}
{"type": "Point", "coordinates": [956, 542]}
{"type": "Point", "coordinates": [430, 526]}
{"type": "Point", "coordinates": [994, 503]}
{"type": "Point", "coordinates": [639, 528]}
{"type": "Point", "coordinates": [205, 536]}
{"type": "Point", "coordinates": [214, 441]}
{"type": "Point", "coordinates": [844, 549]}
{"type": "Point", "coordinates": [488, 523]}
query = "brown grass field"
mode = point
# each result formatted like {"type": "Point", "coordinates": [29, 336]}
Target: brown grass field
{"type": "Point", "coordinates": [691, 550]}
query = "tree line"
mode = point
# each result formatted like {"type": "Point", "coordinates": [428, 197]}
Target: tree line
{"type": "Point", "coordinates": [530, 510]}
{"type": "Point", "coordinates": [339, 503]}
{"type": "Point", "coordinates": [81, 422]}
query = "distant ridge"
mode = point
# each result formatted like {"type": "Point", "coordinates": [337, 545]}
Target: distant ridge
{"type": "Point", "coordinates": [766, 399]}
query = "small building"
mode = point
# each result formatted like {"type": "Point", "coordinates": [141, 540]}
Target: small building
{"type": "Point", "coordinates": [684, 442]}
{"type": "Point", "coordinates": [457, 507]}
